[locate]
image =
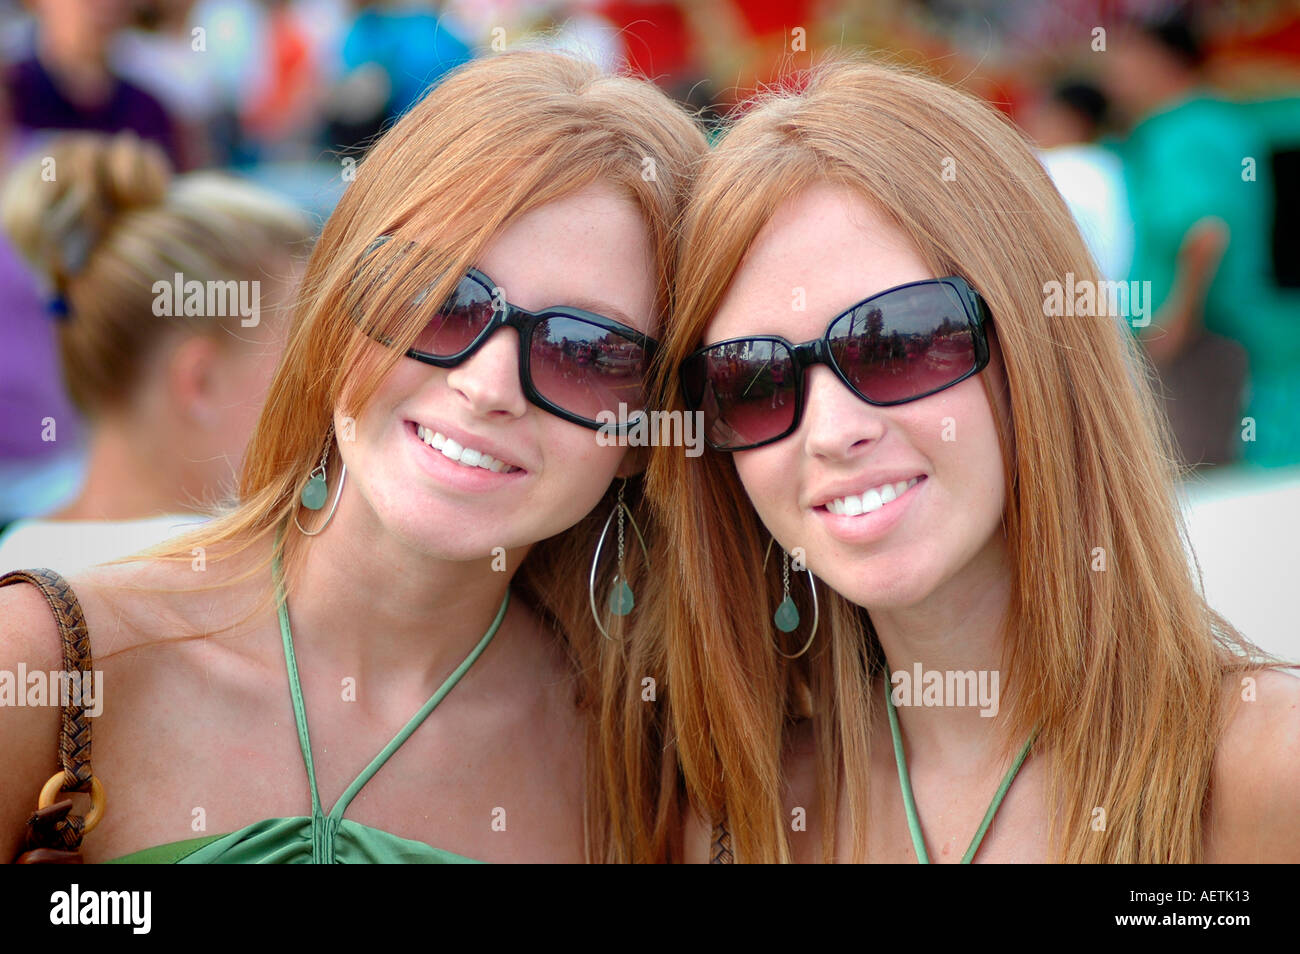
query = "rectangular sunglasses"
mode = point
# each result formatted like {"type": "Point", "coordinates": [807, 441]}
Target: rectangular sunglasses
{"type": "Point", "coordinates": [573, 363]}
{"type": "Point", "coordinates": [900, 345]}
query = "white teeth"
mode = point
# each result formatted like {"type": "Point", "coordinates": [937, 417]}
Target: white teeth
{"type": "Point", "coordinates": [871, 500]}
{"type": "Point", "coordinates": [468, 456]}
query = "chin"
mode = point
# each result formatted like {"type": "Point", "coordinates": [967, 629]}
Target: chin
{"type": "Point", "coordinates": [876, 588]}
{"type": "Point", "coordinates": [442, 536]}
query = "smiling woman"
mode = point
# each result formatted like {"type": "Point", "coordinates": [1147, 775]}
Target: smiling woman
{"type": "Point", "coordinates": [419, 512]}
{"type": "Point", "coordinates": [980, 495]}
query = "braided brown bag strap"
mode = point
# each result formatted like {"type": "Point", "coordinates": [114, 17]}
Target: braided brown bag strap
{"type": "Point", "coordinates": [54, 833]}
{"type": "Point", "coordinates": [720, 852]}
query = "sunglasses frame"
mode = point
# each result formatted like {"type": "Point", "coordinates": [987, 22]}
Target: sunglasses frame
{"type": "Point", "coordinates": [525, 322]}
{"type": "Point", "coordinates": [818, 351]}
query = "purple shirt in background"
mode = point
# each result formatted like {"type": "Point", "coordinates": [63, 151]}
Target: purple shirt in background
{"type": "Point", "coordinates": [31, 382]}
{"type": "Point", "coordinates": [35, 102]}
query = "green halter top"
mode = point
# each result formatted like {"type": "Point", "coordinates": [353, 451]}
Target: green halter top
{"type": "Point", "coordinates": [909, 803]}
{"type": "Point", "coordinates": [320, 838]}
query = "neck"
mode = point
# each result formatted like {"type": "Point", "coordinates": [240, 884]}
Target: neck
{"type": "Point", "coordinates": [957, 629]}
{"type": "Point", "coordinates": [372, 606]}
{"type": "Point", "coordinates": [127, 478]}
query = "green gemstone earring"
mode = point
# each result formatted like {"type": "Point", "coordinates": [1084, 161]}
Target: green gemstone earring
{"type": "Point", "coordinates": [621, 600]}
{"type": "Point", "coordinates": [786, 617]}
{"type": "Point", "coordinates": [315, 490]}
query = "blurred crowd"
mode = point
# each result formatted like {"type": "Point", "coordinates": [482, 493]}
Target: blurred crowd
{"type": "Point", "coordinates": [147, 139]}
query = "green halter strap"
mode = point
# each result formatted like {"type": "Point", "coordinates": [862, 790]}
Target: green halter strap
{"type": "Point", "coordinates": [909, 803]}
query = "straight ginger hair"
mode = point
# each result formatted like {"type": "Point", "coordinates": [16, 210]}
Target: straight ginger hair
{"type": "Point", "coordinates": [1122, 670]}
{"type": "Point", "coordinates": [498, 137]}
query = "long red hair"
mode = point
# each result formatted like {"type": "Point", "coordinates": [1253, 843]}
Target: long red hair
{"type": "Point", "coordinates": [1121, 671]}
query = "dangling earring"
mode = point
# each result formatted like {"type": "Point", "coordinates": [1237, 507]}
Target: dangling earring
{"type": "Point", "coordinates": [621, 600]}
{"type": "Point", "coordinates": [786, 617]}
{"type": "Point", "coordinates": [314, 493]}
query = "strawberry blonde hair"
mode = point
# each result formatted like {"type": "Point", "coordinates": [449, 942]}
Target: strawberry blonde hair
{"type": "Point", "coordinates": [1120, 670]}
{"type": "Point", "coordinates": [498, 137]}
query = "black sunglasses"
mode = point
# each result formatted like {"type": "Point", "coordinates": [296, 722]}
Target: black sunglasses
{"type": "Point", "coordinates": [900, 345]}
{"type": "Point", "coordinates": [573, 363]}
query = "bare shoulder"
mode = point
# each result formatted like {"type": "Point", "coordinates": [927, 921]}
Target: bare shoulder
{"type": "Point", "coordinates": [1255, 807]}
{"type": "Point", "coordinates": [29, 733]}
{"type": "Point", "coordinates": [27, 627]}
{"type": "Point", "coordinates": [133, 606]}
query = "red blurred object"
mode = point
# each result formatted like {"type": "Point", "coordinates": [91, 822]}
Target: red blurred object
{"type": "Point", "coordinates": [775, 16]}
{"type": "Point", "coordinates": [656, 39]}
{"type": "Point", "coordinates": [287, 93]}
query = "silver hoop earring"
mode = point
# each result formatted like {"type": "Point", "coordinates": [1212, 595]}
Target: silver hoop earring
{"type": "Point", "coordinates": [621, 600]}
{"type": "Point", "coordinates": [315, 490]}
{"type": "Point", "coordinates": [786, 617]}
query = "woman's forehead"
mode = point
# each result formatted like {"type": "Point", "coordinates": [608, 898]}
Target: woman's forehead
{"type": "Point", "coordinates": [824, 249]}
{"type": "Point", "coordinates": [590, 249]}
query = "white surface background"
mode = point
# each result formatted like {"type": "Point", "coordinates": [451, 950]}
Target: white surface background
{"type": "Point", "coordinates": [1244, 526]}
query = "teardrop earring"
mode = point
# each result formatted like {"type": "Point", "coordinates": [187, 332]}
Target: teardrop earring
{"type": "Point", "coordinates": [315, 492]}
{"type": "Point", "coordinates": [786, 617]}
{"type": "Point", "coordinates": [787, 614]}
{"type": "Point", "coordinates": [621, 600]}
{"type": "Point", "coordinates": [316, 489]}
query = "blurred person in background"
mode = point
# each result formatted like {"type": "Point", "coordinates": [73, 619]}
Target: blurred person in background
{"type": "Point", "coordinates": [57, 78]}
{"type": "Point", "coordinates": [170, 375]}
{"type": "Point", "coordinates": [283, 111]}
{"type": "Point", "coordinates": [66, 82]}
{"type": "Point", "coordinates": [1201, 198]}
{"type": "Point", "coordinates": [167, 55]}
{"type": "Point", "coordinates": [1066, 120]}
{"type": "Point", "coordinates": [392, 53]}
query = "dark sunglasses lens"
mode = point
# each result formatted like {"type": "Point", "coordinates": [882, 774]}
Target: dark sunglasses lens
{"type": "Point", "coordinates": [906, 344]}
{"type": "Point", "coordinates": [452, 328]}
{"type": "Point", "coordinates": [586, 369]}
{"type": "Point", "coordinates": [745, 389]}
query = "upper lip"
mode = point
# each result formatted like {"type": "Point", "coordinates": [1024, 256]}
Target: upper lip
{"type": "Point", "coordinates": [466, 439]}
{"type": "Point", "coordinates": [856, 486]}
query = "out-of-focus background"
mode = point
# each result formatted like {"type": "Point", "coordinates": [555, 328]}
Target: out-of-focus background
{"type": "Point", "coordinates": [1171, 129]}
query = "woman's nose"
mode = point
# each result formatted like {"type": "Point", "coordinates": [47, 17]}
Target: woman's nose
{"type": "Point", "coordinates": [489, 378]}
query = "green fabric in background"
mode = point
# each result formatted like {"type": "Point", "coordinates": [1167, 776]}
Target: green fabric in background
{"type": "Point", "coordinates": [1183, 164]}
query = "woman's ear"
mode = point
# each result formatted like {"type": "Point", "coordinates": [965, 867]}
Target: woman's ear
{"type": "Point", "coordinates": [192, 371]}
{"type": "Point", "coordinates": [634, 462]}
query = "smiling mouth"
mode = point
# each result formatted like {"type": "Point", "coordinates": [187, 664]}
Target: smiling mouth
{"type": "Point", "coordinates": [870, 501]}
{"type": "Point", "coordinates": [465, 456]}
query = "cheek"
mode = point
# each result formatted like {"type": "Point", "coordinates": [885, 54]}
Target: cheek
{"type": "Point", "coordinates": [577, 469]}
{"type": "Point", "coordinates": [374, 424]}
{"type": "Point", "coordinates": [770, 482]}
{"type": "Point", "coordinates": [969, 456]}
